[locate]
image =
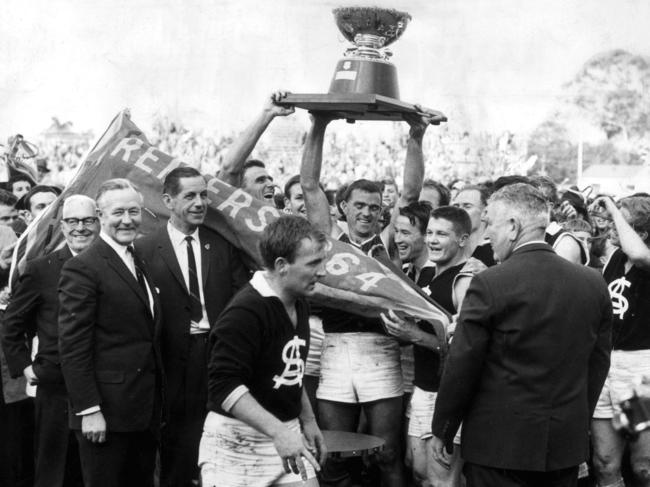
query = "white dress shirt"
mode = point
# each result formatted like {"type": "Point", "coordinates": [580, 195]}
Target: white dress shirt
{"type": "Point", "coordinates": [127, 258]}
{"type": "Point", "coordinates": [179, 245]}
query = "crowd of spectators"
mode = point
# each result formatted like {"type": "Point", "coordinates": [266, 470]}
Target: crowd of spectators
{"type": "Point", "coordinates": [348, 154]}
{"type": "Point", "coordinates": [419, 216]}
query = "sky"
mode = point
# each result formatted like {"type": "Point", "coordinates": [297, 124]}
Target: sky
{"type": "Point", "coordinates": [490, 65]}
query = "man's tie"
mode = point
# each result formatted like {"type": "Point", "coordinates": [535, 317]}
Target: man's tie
{"type": "Point", "coordinates": [411, 273]}
{"type": "Point", "coordinates": [138, 272]}
{"type": "Point", "coordinates": [195, 295]}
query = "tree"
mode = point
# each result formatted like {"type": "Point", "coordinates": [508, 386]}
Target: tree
{"type": "Point", "coordinates": [556, 154]}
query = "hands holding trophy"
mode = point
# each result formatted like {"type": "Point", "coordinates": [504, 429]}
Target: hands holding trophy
{"type": "Point", "coordinates": [364, 85]}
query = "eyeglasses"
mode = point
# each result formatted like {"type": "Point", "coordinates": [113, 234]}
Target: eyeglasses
{"type": "Point", "coordinates": [86, 222]}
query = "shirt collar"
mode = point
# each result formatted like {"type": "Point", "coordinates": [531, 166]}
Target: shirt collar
{"type": "Point", "coordinates": [117, 247]}
{"type": "Point", "coordinates": [535, 242]}
{"type": "Point", "coordinates": [261, 285]}
{"type": "Point", "coordinates": [74, 254]}
{"type": "Point", "coordinates": [409, 266]}
{"type": "Point", "coordinates": [177, 237]}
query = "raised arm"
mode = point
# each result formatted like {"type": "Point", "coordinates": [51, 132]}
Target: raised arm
{"type": "Point", "coordinates": [243, 146]}
{"type": "Point", "coordinates": [413, 174]}
{"type": "Point", "coordinates": [318, 210]}
{"type": "Point", "coordinates": [634, 246]}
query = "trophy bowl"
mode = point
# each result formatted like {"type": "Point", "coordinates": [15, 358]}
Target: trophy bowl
{"type": "Point", "coordinates": [365, 85]}
{"type": "Point", "coordinates": [365, 68]}
{"type": "Point", "coordinates": [388, 24]}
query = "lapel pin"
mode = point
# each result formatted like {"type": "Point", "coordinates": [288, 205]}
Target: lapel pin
{"type": "Point", "coordinates": [207, 246]}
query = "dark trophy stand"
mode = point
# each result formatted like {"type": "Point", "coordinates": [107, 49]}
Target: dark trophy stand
{"type": "Point", "coordinates": [364, 86]}
{"type": "Point", "coordinates": [357, 106]}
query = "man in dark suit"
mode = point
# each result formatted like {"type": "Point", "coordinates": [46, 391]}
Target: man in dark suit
{"type": "Point", "coordinates": [34, 308]}
{"type": "Point", "coordinates": [197, 272]}
{"type": "Point", "coordinates": [109, 326]}
{"type": "Point", "coordinates": [529, 357]}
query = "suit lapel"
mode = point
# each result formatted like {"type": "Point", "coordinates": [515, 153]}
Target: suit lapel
{"type": "Point", "coordinates": [123, 271]}
{"type": "Point", "coordinates": [64, 253]}
{"type": "Point", "coordinates": [204, 243]}
{"type": "Point", "coordinates": [169, 257]}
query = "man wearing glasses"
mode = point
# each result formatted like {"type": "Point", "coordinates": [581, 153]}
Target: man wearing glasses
{"type": "Point", "coordinates": [34, 309]}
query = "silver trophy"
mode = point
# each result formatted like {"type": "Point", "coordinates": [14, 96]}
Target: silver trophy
{"type": "Point", "coordinates": [364, 85]}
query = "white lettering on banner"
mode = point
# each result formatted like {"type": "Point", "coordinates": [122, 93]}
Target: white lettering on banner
{"type": "Point", "coordinates": [619, 302]}
{"type": "Point", "coordinates": [370, 279]}
{"type": "Point", "coordinates": [236, 201]}
{"type": "Point", "coordinates": [173, 164]}
{"type": "Point", "coordinates": [261, 215]}
{"type": "Point", "coordinates": [294, 366]}
{"type": "Point", "coordinates": [213, 185]}
{"type": "Point", "coordinates": [148, 155]}
{"type": "Point", "coordinates": [337, 264]}
{"type": "Point", "coordinates": [128, 146]}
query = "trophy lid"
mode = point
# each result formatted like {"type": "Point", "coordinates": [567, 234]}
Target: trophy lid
{"type": "Point", "coordinates": [387, 23]}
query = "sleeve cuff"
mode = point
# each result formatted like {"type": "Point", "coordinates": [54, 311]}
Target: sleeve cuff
{"type": "Point", "coordinates": [88, 411]}
{"type": "Point", "coordinates": [233, 397]}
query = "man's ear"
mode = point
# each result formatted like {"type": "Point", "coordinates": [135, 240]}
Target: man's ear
{"type": "Point", "coordinates": [462, 241]}
{"type": "Point", "coordinates": [281, 265]}
{"type": "Point", "coordinates": [514, 229]}
{"type": "Point", "coordinates": [167, 200]}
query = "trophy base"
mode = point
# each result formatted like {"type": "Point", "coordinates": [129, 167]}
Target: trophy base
{"type": "Point", "coordinates": [358, 75]}
{"type": "Point", "coordinates": [357, 106]}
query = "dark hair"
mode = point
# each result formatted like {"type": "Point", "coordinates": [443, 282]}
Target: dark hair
{"type": "Point", "coordinates": [387, 181]}
{"type": "Point", "coordinates": [547, 187]}
{"type": "Point", "coordinates": [339, 197]}
{"type": "Point", "coordinates": [282, 237]}
{"type": "Point", "coordinates": [639, 209]}
{"type": "Point", "coordinates": [362, 185]}
{"type": "Point", "coordinates": [18, 178]}
{"type": "Point", "coordinates": [252, 163]}
{"type": "Point", "coordinates": [247, 165]}
{"type": "Point", "coordinates": [26, 200]}
{"type": "Point", "coordinates": [508, 180]}
{"type": "Point", "coordinates": [171, 185]}
{"type": "Point", "coordinates": [576, 200]}
{"type": "Point", "coordinates": [296, 180]}
{"type": "Point", "coordinates": [418, 213]}
{"type": "Point", "coordinates": [287, 186]}
{"type": "Point", "coordinates": [7, 198]}
{"type": "Point", "coordinates": [458, 217]}
{"type": "Point", "coordinates": [443, 191]}
{"type": "Point", "coordinates": [483, 190]}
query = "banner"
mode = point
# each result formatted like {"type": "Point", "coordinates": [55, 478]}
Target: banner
{"type": "Point", "coordinates": [353, 281]}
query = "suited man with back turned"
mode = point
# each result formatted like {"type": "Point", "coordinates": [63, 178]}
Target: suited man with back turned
{"type": "Point", "coordinates": [197, 272]}
{"type": "Point", "coordinates": [109, 326]}
{"type": "Point", "coordinates": [528, 359]}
